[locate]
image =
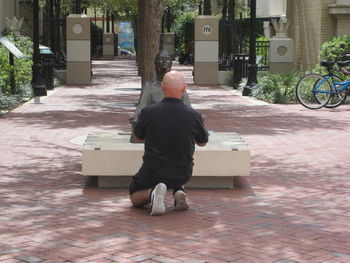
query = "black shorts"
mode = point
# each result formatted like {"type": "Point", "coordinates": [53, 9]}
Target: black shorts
{"type": "Point", "coordinates": [136, 185]}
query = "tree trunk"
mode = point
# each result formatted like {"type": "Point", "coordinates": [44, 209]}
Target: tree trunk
{"type": "Point", "coordinates": [231, 9]}
{"type": "Point", "coordinates": [149, 27]}
{"type": "Point", "coordinates": [140, 35]}
{"type": "Point", "coordinates": [134, 23]}
{"type": "Point", "coordinates": [224, 10]}
{"type": "Point", "coordinates": [207, 8]}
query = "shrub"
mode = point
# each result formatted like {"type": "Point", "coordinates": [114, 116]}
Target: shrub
{"type": "Point", "coordinates": [184, 31]}
{"type": "Point", "coordinates": [96, 41]}
{"type": "Point", "coordinates": [277, 88]}
{"type": "Point", "coordinates": [333, 50]}
{"type": "Point", "coordinates": [22, 70]}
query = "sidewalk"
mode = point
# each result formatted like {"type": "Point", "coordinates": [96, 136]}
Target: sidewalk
{"type": "Point", "coordinates": [295, 206]}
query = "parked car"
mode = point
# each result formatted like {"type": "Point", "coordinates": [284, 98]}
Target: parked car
{"type": "Point", "coordinates": [125, 52]}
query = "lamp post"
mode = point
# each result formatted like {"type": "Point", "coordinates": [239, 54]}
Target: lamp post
{"type": "Point", "coordinates": [252, 67]}
{"type": "Point", "coordinates": [39, 88]}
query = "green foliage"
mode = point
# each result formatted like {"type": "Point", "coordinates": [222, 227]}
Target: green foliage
{"type": "Point", "coordinates": [184, 30]}
{"type": "Point", "coordinates": [262, 38]}
{"type": "Point", "coordinates": [22, 71]}
{"type": "Point", "coordinates": [179, 3]}
{"type": "Point", "coordinates": [96, 40]}
{"type": "Point", "coordinates": [333, 50]}
{"type": "Point", "coordinates": [277, 88]}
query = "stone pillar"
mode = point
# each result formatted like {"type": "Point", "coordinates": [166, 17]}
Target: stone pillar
{"type": "Point", "coordinates": [169, 43]}
{"type": "Point", "coordinates": [267, 29]}
{"type": "Point", "coordinates": [206, 50]}
{"type": "Point", "coordinates": [78, 49]}
{"type": "Point", "coordinates": [341, 11]}
{"type": "Point", "coordinates": [281, 48]}
{"type": "Point", "coordinates": [14, 25]}
{"type": "Point", "coordinates": [108, 46]}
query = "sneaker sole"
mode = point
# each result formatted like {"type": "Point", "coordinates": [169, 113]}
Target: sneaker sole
{"type": "Point", "coordinates": [180, 202]}
{"type": "Point", "coordinates": [158, 207]}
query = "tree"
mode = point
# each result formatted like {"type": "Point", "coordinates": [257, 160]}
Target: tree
{"type": "Point", "coordinates": [224, 9]}
{"type": "Point", "coordinates": [150, 14]}
{"type": "Point", "coordinates": [231, 9]}
{"type": "Point", "coordinates": [207, 7]}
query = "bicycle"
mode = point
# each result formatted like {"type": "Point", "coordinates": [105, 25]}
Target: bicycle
{"type": "Point", "coordinates": [315, 91]}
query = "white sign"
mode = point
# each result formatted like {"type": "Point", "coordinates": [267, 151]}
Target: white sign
{"type": "Point", "coordinates": [207, 29]}
{"type": "Point", "coordinates": [77, 29]}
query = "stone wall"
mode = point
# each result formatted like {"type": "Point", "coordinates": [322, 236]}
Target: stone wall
{"type": "Point", "coordinates": [311, 26]}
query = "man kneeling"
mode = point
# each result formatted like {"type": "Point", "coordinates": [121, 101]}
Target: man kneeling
{"type": "Point", "coordinates": [170, 130]}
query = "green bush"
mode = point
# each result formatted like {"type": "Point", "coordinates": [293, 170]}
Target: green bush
{"type": "Point", "coordinates": [277, 88]}
{"type": "Point", "coordinates": [333, 50]}
{"type": "Point", "coordinates": [184, 31]}
{"type": "Point", "coordinates": [22, 70]}
{"type": "Point", "coordinates": [96, 41]}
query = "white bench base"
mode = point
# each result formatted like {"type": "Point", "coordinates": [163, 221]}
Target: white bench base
{"type": "Point", "coordinates": [198, 182]}
{"type": "Point", "coordinates": [112, 158]}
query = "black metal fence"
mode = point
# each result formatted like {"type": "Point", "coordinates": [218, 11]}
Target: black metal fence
{"type": "Point", "coordinates": [226, 61]}
{"type": "Point", "coordinates": [234, 39]}
{"type": "Point", "coordinates": [262, 54]}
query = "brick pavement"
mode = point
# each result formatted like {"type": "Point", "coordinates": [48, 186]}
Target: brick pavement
{"type": "Point", "coordinates": [294, 207]}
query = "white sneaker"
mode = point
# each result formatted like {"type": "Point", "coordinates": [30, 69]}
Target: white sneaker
{"type": "Point", "coordinates": [180, 200]}
{"type": "Point", "coordinates": [157, 200]}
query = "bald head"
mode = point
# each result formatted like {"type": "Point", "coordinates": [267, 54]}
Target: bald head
{"type": "Point", "coordinates": [173, 84]}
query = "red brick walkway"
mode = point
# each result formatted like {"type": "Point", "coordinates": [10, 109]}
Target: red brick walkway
{"type": "Point", "coordinates": [295, 206]}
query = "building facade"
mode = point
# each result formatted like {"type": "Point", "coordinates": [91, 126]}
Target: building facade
{"type": "Point", "coordinates": [314, 22]}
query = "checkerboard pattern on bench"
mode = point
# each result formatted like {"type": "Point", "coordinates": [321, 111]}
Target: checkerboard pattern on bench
{"type": "Point", "coordinates": [112, 158]}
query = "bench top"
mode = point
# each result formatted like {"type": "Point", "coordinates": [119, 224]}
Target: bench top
{"type": "Point", "coordinates": [218, 141]}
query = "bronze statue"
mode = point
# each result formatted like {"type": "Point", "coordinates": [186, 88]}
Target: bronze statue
{"type": "Point", "coordinates": [152, 92]}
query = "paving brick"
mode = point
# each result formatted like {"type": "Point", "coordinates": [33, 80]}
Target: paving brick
{"type": "Point", "coordinates": [29, 259]}
{"type": "Point", "coordinates": [285, 261]}
{"type": "Point", "coordinates": [294, 206]}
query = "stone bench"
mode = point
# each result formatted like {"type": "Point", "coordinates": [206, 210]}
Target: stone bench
{"type": "Point", "coordinates": [112, 158]}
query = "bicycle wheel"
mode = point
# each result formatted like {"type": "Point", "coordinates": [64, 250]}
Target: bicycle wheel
{"type": "Point", "coordinates": [313, 91]}
{"type": "Point", "coordinates": [337, 97]}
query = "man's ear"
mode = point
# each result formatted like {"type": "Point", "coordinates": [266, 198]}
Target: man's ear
{"type": "Point", "coordinates": [184, 88]}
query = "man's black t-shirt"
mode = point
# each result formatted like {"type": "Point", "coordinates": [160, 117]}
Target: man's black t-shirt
{"type": "Point", "coordinates": [170, 130]}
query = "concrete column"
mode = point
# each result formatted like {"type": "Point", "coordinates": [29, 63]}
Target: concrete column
{"type": "Point", "coordinates": [281, 49]}
{"type": "Point", "coordinates": [108, 46]}
{"type": "Point", "coordinates": [78, 49]}
{"type": "Point", "coordinates": [206, 50]}
{"type": "Point", "coordinates": [169, 43]}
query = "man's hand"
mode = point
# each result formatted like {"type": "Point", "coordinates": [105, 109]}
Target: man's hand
{"type": "Point", "coordinates": [137, 139]}
{"type": "Point", "coordinates": [201, 144]}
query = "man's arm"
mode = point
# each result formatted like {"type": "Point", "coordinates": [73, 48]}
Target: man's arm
{"type": "Point", "coordinates": [144, 101]}
{"type": "Point", "coordinates": [202, 134]}
{"type": "Point", "coordinates": [138, 133]}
